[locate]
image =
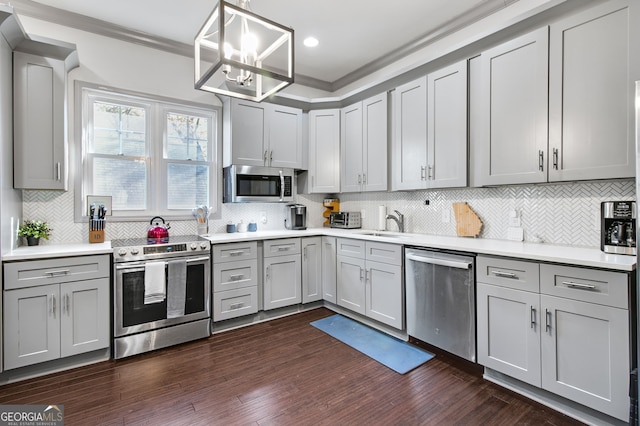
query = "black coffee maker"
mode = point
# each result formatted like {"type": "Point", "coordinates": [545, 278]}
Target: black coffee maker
{"type": "Point", "coordinates": [618, 224]}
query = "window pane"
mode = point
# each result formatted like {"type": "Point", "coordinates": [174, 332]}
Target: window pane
{"type": "Point", "coordinates": [124, 180]}
{"type": "Point", "coordinates": [187, 137]}
{"type": "Point", "coordinates": [187, 185]}
{"type": "Point", "coordinates": [118, 130]}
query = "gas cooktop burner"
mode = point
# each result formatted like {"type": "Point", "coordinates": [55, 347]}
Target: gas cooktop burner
{"type": "Point", "coordinates": [135, 249]}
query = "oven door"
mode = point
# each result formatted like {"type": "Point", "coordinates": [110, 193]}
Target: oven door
{"type": "Point", "coordinates": [132, 315]}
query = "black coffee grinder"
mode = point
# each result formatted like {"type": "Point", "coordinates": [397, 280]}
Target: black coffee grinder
{"type": "Point", "coordinates": [618, 226]}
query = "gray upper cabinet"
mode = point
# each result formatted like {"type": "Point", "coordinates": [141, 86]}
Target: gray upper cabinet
{"type": "Point", "coordinates": [512, 142]}
{"type": "Point", "coordinates": [39, 85]}
{"type": "Point", "coordinates": [262, 134]}
{"type": "Point", "coordinates": [591, 134]}
{"type": "Point", "coordinates": [324, 151]}
{"type": "Point", "coordinates": [363, 148]}
{"type": "Point", "coordinates": [430, 130]}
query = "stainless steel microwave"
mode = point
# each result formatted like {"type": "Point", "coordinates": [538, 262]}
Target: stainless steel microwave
{"type": "Point", "coordinates": [244, 184]}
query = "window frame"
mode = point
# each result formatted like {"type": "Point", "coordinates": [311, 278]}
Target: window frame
{"type": "Point", "coordinates": [157, 109]}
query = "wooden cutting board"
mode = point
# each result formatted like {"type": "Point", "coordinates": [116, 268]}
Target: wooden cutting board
{"type": "Point", "coordinates": [468, 224]}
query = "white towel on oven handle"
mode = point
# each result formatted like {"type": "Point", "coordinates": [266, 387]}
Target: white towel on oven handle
{"type": "Point", "coordinates": [176, 287]}
{"type": "Point", "coordinates": [154, 282]}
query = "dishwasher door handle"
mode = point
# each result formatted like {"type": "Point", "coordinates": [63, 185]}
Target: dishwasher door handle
{"type": "Point", "coordinates": [440, 262]}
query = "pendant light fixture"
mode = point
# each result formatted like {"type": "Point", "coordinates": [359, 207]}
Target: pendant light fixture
{"type": "Point", "coordinates": [243, 55]}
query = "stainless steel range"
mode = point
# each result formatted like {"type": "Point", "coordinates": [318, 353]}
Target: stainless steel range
{"type": "Point", "coordinates": [161, 293]}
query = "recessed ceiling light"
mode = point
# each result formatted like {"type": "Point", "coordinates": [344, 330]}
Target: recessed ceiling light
{"type": "Point", "coordinates": [310, 42]}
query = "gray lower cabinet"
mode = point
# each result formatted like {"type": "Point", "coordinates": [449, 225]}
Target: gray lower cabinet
{"type": "Point", "coordinates": [329, 269]}
{"type": "Point", "coordinates": [235, 280]}
{"type": "Point", "coordinates": [311, 269]}
{"type": "Point", "coordinates": [282, 273]}
{"type": "Point", "coordinates": [563, 329]}
{"type": "Point", "coordinates": [369, 280]}
{"type": "Point", "coordinates": [51, 312]}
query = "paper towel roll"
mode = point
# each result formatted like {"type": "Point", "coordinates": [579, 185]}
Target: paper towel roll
{"type": "Point", "coordinates": [382, 218]}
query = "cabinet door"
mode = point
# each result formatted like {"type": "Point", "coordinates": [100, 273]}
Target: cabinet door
{"type": "Point", "coordinates": [282, 281]}
{"type": "Point", "coordinates": [285, 136]}
{"type": "Point", "coordinates": [514, 136]}
{"type": "Point", "coordinates": [409, 143]}
{"type": "Point", "coordinates": [84, 317]}
{"type": "Point", "coordinates": [311, 269]}
{"type": "Point", "coordinates": [591, 116]}
{"type": "Point", "coordinates": [248, 133]}
{"type": "Point", "coordinates": [509, 332]}
{"type": "Point", "coordinates": [384, 295]}
{"type": "Point", "coordinates": [39, 123]}
{"type": "Point", "coordinates": [329, 269]}
{"type": "Point", "coordinates": [31, 325]}
{"type": "Point", "coordinates": [351, 148]}
{"type": "Point", "coordinates": [351, 285]}
{"type": "Point", "coordinates": [324, 151]}
{"type": "Point", "coordinates": [447, 127]}
{"type": "Point", "coordinates": [585, 354]}
{"type": "Point", "coordinates": [374, 145]}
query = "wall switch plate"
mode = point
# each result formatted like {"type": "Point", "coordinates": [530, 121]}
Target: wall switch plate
{"type": "Point", "coordinates": [362, 213]}
{"type": "Point", "coordinates": [263, 217]}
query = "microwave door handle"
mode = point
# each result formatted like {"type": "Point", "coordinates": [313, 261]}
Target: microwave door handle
{"type": "Point", "coordinates": [281, 186]}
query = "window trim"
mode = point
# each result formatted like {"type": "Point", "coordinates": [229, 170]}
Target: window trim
{"type": "Point", "coordinates": [156, 153]}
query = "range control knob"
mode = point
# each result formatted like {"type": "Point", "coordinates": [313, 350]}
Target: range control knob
{"type": "Point", "coordinates": [122, 252]}
{"type": "Point", "coordinates": [203, 246]}
{"type": "Point", "coordinates": [194, 246]}
{"type": "Point", "coordinates": [135, 251]}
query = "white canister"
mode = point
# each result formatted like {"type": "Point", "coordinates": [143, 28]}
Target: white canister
{"type": "Point", "coordinates": [382, 218]}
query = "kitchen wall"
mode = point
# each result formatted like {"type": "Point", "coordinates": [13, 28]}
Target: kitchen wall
{"type": "Point", "coordinates": [566, 214]}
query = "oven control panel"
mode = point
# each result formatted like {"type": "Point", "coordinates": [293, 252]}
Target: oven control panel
{"type": "Point", "coordinates": [153, 251]}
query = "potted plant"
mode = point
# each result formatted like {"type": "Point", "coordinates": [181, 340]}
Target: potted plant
{"type": "Point", "coordinates": [33, 230]}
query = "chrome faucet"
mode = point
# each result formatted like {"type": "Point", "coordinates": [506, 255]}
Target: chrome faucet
{"type": "Point", "coordinates": [399, 220]}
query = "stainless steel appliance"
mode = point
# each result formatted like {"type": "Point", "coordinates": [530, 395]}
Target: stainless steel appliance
{"type": "Point", "coordinates": [345, 220]}
{"type": "Point", "coordinates": [243, 184]}
{"type": "Point", "coordinates": [618, 225]}
{"type": "Point", "coordinates": [440, 300]}
{"type": "Point", "coordinates": [161, 293]}
{"type": "Point", "coordinates": [296, 217]}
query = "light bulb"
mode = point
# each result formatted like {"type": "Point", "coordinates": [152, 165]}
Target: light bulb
{"type": "Point", "coordinates": [249, 43]}
{"type": "Point", "coordinates": [228, 50]}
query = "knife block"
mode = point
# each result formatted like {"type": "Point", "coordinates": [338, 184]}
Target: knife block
{"type": "Point", "coordinates": [96, 231]}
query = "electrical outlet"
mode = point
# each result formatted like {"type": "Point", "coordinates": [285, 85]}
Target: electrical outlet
{"type": "Point", "coordinates": [514, 219]}
{"type": "Point", "coordinates": [263, 217]}
{"type": "Point", "coordinates": [362, 213]}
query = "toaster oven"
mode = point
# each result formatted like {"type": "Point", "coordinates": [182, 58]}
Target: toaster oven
{"type": "Point", "coordinates": [345, 220]}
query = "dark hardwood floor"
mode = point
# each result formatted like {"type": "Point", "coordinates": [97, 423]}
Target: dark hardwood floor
{"type": "Point", "coordinates": [283, 372]}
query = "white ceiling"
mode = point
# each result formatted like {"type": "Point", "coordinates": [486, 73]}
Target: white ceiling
{"type": "Point", "coordinates": [352, 33]}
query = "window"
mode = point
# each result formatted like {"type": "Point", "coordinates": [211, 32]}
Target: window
{"type": "Point", "coordinates": [152, 157]}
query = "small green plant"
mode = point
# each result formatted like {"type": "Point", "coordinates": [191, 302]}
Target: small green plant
{"type": "Point", "coordinates": [34, 228]}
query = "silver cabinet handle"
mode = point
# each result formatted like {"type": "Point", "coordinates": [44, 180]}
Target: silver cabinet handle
{"type": "Point", "coordinates": [236, 277]}
{"type": "Point", "coordinates": [58, 171]}
{"type": "Point", "coordinates": [422, 173]}
{"type": "Point", "coordinates": [58, 273]}
{"type": "Point", "coordinates": [236, 253]}
{"type": "Point", "coordinates": [367, 275]}
{"type": "Point", "coordinates": [579, 285]}
{"type": "Point", "coordinates": [364, 178]}
{"type": "Point", "coordinates": [430, 172]}
{"type": "Point", "coordinates": [53, 305]}
{"type": "Point", "coordinates": [361, 274]}
{"type": "Point", "coordinates": [541, 160]}
{"type": "Point", "coordinates": [264, 158]}
{"type": "Point", "coordinates": [270, 157]}
{"type": "Point", "coordinates": [547, 320]}
{"type": "Point", "coordinates": [286, 248]}
{"type": "Point", "coordinates": [268, 272]}
{"type": "Point", "coordinates": [281, 186]}
{"type": "Point", "coordinates": [359, 179]}
{"type": "Point", "coordinates": [533, 317]}
{"type": "Point", "coordinates": [555, 158]}
{"type": "Point", "coordinates": [304, 253]}
{"type": "Point", "coordinates": [504, 274]}
{"type": "Point", "coordinates": [236, 306]}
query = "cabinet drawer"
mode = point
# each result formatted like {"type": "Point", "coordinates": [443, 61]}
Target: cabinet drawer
{"type": "Point", "coordinates": [235, 303]}
{"type": "Point", "coordinates": [384, 252]}
{"type": "Point", "coordinates": [233, 275]}
{"type": "Point", "coordinates": [281, 247]}
{"type": "Point", "coordinates": [51, 271]}
{"type": "Point", "coordinates": [517, 274]}
{"type": "Point", "coordinates": [351, 248]}
{"type": "Point", "coordinates": [235, 251]}
{"type": "Point", "coordinates": [588, 285]}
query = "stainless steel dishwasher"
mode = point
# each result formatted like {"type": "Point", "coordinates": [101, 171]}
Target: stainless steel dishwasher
{"type": "Point", "coordinates": [440, 300]}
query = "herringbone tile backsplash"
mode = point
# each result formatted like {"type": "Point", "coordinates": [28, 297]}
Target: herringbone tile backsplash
{"type": "Point", "coordinates": [555, 213]}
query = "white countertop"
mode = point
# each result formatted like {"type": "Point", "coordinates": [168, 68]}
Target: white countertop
{"type": "Point", "coordinates": [57, 250]}
{"type": "Point", "coordinates": [581, 256]}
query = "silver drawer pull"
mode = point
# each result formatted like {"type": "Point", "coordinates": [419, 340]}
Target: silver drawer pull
{"type": "Point", "coordinates": [236, 277]}
{"type": "Point", "coordinates": [236, 306]}
{"type": "Point", "coordinates": [579, 285]}
{"type": "Point", "coordinates": [58, 272]}
{"type": "Point", "coordinates": [285, 248]}
{"type": "Point", "coordinates": [236, 253]}
{"type": "Point", "coordinates": [504, 274]}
